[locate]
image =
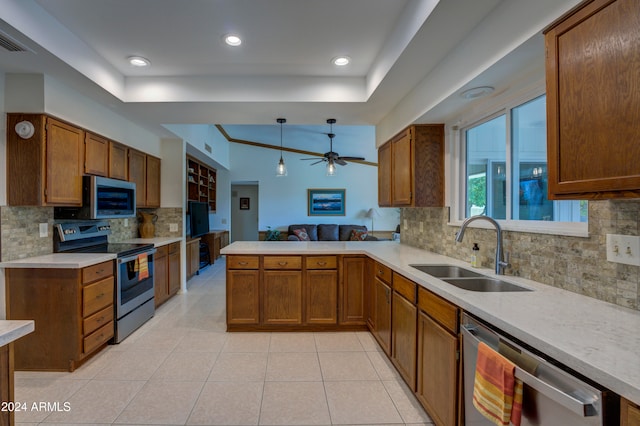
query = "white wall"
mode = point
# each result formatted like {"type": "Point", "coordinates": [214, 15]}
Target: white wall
{"type": "Point", "coordinates": [283, 200]}
{"type": "Point", "coordinates": [172, 175]}
{"type": "Point", "coordinates": [244, 224]}
{"type": "Point", "coordinates": [198, 135]}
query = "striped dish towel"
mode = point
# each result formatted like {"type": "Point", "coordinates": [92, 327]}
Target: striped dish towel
{"type": "Point", "coordinates": [143, 266]}
{"type": "Point", "coordinates": [497, 394]}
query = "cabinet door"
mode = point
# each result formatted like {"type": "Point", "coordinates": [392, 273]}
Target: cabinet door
{"type": "Point", "coordinates": [96, 155]}
{"type": "Point", "coordinates": [352, 298]}
{"type": "Point", "coordinates": [193, 257]}
{"type": "Point", "coordinates": [282, 302]}
{"type": "Point", "coordinates": [243, 299]}
{"type": "Point", "coordinates": [160, 276]}
{"type": "Point", "coordinates": [64, 153]}
{"type": "Point", "coordinates": [402, 169]}
{"type": "Point", "coordinates": [383, 315]}
{"type": "Point", "coordinates": [117, 161]}
{"type": "Point", "coordinates": [138, 175]}
{"type": "Point", "coordinates": [593, 102]}
{"type": "Point", "coordinates": [629, 413]}
{"type": "Point", "coordinates": [437, 371]}
{"type": "Point", "coordinates": [404, 325]}
{"type": "Point", "coordinates": [321, 297]}
{"type": "Point", "coordinates": [384, 175]}
{"type": "Point", "coordinates": [174, 272]}
{"type": "Point", "coordinates": [153, 182]}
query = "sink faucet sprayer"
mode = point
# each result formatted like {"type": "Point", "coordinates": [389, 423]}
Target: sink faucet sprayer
{"type": "Point", "coordinates": [501, 264]}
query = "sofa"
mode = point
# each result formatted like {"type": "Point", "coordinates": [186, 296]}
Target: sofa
{"type": "Point", "coordinates": [328, 232]}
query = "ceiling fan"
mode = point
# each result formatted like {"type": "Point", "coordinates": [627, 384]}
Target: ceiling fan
{"type": "Point", "coordinates": [331, 157]}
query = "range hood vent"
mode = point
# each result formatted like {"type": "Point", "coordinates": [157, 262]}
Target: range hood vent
{"type": "Point", "coordinates": [10, 45]}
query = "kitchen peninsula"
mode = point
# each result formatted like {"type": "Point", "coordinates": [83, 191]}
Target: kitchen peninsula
{"type": "Point", "coordinates": [596, 339]}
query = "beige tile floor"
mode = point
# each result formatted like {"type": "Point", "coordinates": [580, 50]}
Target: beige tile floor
{"type": "Point", "coordinates": [182, 368]}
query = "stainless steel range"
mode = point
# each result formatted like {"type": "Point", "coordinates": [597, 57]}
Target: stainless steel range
{"type": "Point", "coordinates": [134, 292]}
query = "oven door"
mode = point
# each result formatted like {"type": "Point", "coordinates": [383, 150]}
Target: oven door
{"type": "Point", "coordinates": [135, 282]}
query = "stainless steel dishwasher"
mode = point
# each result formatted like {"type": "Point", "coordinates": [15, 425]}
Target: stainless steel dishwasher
{"type": "Point", "coordinates": [551, 397]}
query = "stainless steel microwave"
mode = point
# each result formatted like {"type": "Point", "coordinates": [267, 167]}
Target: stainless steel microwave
{"type": "Point", "coordinates": [102, 198]}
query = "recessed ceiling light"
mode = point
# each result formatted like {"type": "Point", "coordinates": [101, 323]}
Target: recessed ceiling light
{"type": "Point", "coordinates": [476, 92]}
{"type": "Point", "coordinates": [232, 40]}
{"type": "Point", "coordinates": [341, 61]}
{"type": "Point", "coordinates": [138, 61]}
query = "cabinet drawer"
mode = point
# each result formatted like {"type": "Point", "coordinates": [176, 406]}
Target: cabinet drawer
{"type": "Point", "coordinates": [243, 262]}
{"type": "Point", "coordinates": [98, 337]}
{"type": "Point", "coordinates": [438, 309]}
{"type": "Point", "coordinates": [161, 252]}
{"type": "Point", "coordinates": [321, 262]}
{"type": "Point", "coordinates": [282, 262]}
{"type": "Point", "coordinates": [97, 296]}
{"type": "Point", "coordinates": [97, 320]}
{"type": "Point", "coordinates": [174, 248]}
{"type": "Point", "coordinates": [383, 272]}
{"type": "Point", "coordinates": [97, 272]}
{"type": "Point", "coordinates": [629, 413]}
{"type": "Point", "coordinates": [404, 287]}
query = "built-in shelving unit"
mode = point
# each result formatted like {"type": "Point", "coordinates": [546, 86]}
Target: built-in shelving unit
{"type": "Point", "coordinates": [201, 183]}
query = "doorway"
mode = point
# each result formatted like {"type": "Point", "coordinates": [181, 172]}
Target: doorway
{"type": "Point", "coordinates": [244, 211]}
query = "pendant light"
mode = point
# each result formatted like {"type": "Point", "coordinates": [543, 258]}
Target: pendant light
{"type": "Point", "coordinates": [281, 170]}
{"type": "Point", "coordinates": [332, 170]}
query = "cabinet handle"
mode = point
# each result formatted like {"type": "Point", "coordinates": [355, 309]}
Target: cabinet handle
{"type": "Point", "coordinates": [321, 263]}
{"type": "Point", "coordinates": [99, 320]}
{"type": "Point", "coordinates": [282, 263]}
{"type": "Point", "coordinates": [100, 271]}
{"type": "Point", "coordinates": [243, 263]}
{"type": "Point", "coordinates": [100, 296]}
{"type": "Point", "coordinates": [386, 293]}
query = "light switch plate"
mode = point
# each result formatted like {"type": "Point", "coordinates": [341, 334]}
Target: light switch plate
{"type": "Point", "coordinates": [44, 230]}
{"type": "Point", "coordinates": [173, 227]}
{"type": "Point", "coordinates": [623, 249]}
{"type": "Point", "coordinates": [421, 227]}
{"type": "Point", "coordinates": [126, 223]}
{"type": "Point", "coordinates": [405, 226]}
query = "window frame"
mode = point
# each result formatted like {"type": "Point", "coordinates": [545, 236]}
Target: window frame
{"type": "Point", "coordinates": [457, 168]}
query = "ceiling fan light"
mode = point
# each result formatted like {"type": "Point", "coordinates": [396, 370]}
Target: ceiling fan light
{"type": "Point", "coordinates": [332, 170]}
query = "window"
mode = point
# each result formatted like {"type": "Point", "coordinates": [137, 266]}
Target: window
{"type": "Point", "coordinates": [506, 168]}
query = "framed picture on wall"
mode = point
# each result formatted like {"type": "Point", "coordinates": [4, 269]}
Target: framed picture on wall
{"type": "Point", "coordinates": [244, 203]}
{"type": "Point", "coordinates": [326, 202]}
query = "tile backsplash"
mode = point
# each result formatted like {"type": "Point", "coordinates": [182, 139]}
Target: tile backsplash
{"type": "Point", "coordinates": [573, 263]}
{"type": "Point", "coordinates": [20, 236]}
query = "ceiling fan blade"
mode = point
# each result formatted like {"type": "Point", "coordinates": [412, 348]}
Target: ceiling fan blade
{"type": "Point", "coordinates": [352, 158]}
{"type": "Point", "coordinates": [320, 161]}
{"type": "Point", "coordinates": [313, 158]}
{"type": "Point", "coordinates": [340, 161]}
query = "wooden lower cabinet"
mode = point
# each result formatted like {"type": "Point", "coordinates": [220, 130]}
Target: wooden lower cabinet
{"type": "Point", "coordinates": [321, 297]}
{"type": "Point", "coordinates": [73, 310]}
{"type": "Point", "coordinates": [403, 333]}
{"type": "Point", "coordinates": [352, 290]}
{"type": "Point", "coordinates": [166, 274]}
{"type": "Point", "coordinates": [629, 413]}
{"type": "Point", "coordinates": [282, 300]}
{"type": "Point", "coordinates": [382, 314]}
{"type": "Point", "coordinates": [438, 358]}
{"type": "Point", "coordinates": [193, 257]}
{"type": "Point", "coordinates": [243, 296]}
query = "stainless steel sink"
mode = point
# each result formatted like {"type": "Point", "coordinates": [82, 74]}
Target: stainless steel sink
{"type": "Point", "coordinates": [484, 284]}
{"type": "Point", "coordinates": [446, 271]}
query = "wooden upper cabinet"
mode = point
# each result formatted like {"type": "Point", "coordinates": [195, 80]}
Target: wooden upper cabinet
{"type": "Point", "coordinates": [117, 161]}
{"type": "Point", "coordinates": [152, 182]}
{"type": "Point", "coordinates": [138, 175]}
{"type": "Point", "coordinates": [45, 169]}
{"type": "Point", "coordinates": [96, 155]}
{"type": "Point", "coordinates": [384, 175]}
{"type": "Point", "coordinates": [593, 101]}
{"type": "Point", "coordinates": [411, 168]}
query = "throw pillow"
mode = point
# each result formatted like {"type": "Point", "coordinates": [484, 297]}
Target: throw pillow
{"type": "Point", "coordinates": [358, 235]}
{"type": "Point", "coordinates": [302, 234]}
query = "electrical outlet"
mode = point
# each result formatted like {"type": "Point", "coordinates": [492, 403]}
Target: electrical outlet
{"type": "Point", "coordinates": [44, 230]}
{"type": "Point", "coordinates": [224, 221]}
{"type": "Point", "coordinates": [404, 224]}
{"type": "Point", "coordinates": [421, 227]}
{"type": "Point", "coordinates": [173, 227]}
{"type": "Point", "coordinates": [623, 249]}
{"type": "Point", "coordinates": [126, 223]}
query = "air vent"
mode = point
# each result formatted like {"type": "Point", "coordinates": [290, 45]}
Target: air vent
{"type": "Point", "coordinates": [207, 148]}
{"type": "Point", "coordinates": [10, 44]}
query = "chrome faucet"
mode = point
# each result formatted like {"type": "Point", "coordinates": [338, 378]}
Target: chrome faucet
{"type": "Point", "coordinates": [500, 262]}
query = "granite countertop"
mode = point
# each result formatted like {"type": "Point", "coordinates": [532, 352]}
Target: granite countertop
{"type": "Point", "coordinates": [13, 330]}
{"type": "Point", "coordinates": [60, 260]}
{"type": "Point", "coordinates": [597, 339]}
{"type": "Point", "coordinates": [156, 241]}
